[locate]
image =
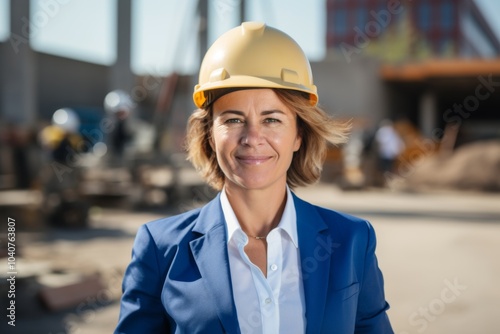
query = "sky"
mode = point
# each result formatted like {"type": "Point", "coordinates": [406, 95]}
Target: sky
{"type": "Point", "coordinates": [164, 32]}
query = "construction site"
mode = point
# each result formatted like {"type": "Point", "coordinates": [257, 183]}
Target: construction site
{"type": "Point", "coordinates": [90, 152]}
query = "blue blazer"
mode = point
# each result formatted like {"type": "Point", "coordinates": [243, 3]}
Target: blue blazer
{"type": "Point", "coordinates": [179, 279]}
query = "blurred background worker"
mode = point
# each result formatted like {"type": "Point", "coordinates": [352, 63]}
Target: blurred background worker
{"type": "Point", "coordinates": [119, 106]}
{"type": "Point", "coordinates": [62, 138]}
{"type": "Point", "coordinates": [389, 145]}
{"type": "Point", "coordinates": [60, 177]}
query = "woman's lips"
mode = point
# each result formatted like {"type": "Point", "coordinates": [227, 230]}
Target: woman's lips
{"type": "Point", "coordinates": [252, 159]}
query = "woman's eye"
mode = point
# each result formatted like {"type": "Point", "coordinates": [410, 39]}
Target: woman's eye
{"type": "Point", "coordinates": [272, 120]}
{"type": "Point", "coordinates": [233, 120]}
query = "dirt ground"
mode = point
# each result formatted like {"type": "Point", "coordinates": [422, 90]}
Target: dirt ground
{"type": "Point", "coordinates": [438, 252]}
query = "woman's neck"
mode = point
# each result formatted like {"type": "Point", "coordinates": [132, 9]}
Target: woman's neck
{"type": "Point", "coordinates": [258, 211]}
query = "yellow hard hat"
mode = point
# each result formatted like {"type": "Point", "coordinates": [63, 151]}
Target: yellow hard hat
{"type": "Point", "coordinates": [254, 55]}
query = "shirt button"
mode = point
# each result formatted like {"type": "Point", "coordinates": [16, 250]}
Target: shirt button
{"type": "Point", "coordinates": [268, 301]}
{"type": "Point", "coordinates": [274, 267]}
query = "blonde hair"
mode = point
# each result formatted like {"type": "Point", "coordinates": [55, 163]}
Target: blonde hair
{"type": "Point", "coordinates": [316, 128]}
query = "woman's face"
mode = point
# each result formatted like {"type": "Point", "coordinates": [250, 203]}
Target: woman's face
{"type": "Point", "coordinates": [254, 137]}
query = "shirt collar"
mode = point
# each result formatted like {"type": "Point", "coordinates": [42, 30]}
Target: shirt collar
{"type": "Point", "coordinates": [288, 222]}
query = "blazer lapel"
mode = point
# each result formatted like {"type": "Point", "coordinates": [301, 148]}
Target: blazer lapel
{"type": "Point", "coordinates": [210, 254]}
{"type": "Point", "coordinates": [315, 252]}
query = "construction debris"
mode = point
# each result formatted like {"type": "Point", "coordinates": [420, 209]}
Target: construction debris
{"type": "Point", "coordinates": [63, 291]}
{"type": "Point", "coordinates": [474, 166]}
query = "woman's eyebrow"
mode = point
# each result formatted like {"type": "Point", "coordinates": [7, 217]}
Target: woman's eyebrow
{"type": "Point", "coordinates": [241, 113]}
{"type": "Point", "coordinates": [272, 111]}
{"type": "Point", "coordinates": [236, 112]}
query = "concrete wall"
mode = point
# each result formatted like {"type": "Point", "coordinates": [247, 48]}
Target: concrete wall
{"type": "Point", "coordinates": [351, 90]}
{"type": "Point", "coordinates": [2, 78]}
{"type": "Point", "coordinates": [65, 82]}
{"type": "Point", "coordinates": [59, 82]}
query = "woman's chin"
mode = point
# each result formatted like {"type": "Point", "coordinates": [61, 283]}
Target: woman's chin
{"type": "Point", "coordinates": [253, 183]}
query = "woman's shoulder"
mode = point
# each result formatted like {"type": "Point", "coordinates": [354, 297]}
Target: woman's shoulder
{"type": "Point", "coordinates": [174, 226]}
{"type": "Point", "coordinates": [340, 216]}
{"type": "Point", "coordinates": [182, 227]}
{"type": "Point", "coordinates": [333, 218]}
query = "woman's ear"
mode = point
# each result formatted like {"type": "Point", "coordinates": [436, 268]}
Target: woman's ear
{"type": "Point", "coordinates": [211, 140]}
{"type": "Point", "coordinates": [298, 139]}
{"type": "Point", "coordinates": [210, 129]}
{"type": "Point", "coordinates": [297, 143]}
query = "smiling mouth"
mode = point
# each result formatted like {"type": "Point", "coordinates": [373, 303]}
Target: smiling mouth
{"type": "Point", "coordinates": [253, 160]}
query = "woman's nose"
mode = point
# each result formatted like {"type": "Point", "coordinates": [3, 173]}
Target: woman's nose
{"type": "Point", "coordinates": [251, 135]}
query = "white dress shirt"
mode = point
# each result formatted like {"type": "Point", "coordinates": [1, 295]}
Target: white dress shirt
{"type": "Point", "coordinates": [274, 304]}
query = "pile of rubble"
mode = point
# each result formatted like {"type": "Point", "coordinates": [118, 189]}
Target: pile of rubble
{"type": "Point", "coordinates": [474, 166]}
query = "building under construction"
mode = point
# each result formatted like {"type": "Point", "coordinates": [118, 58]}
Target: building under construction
{"type": "Point", "coordinates": [433, 65]}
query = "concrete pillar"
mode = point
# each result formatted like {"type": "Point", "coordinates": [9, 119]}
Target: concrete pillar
{"type": "Point", "coordinates": [242, 11]}
{"type": "Point", "coordinates": [428, 113]}
{"type": "Point", "coordinates": [19, 91]}
{"type": "Point", "coordinates": [121, 76]}
{"type": "Point", "coordinates": [203, 29]}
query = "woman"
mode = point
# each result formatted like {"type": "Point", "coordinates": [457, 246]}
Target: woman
{"type": "Point", "coordinates": [256, 259]}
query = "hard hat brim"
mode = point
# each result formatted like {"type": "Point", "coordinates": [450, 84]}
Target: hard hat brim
{"type": "Point", "coordinates": [242, 81]}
